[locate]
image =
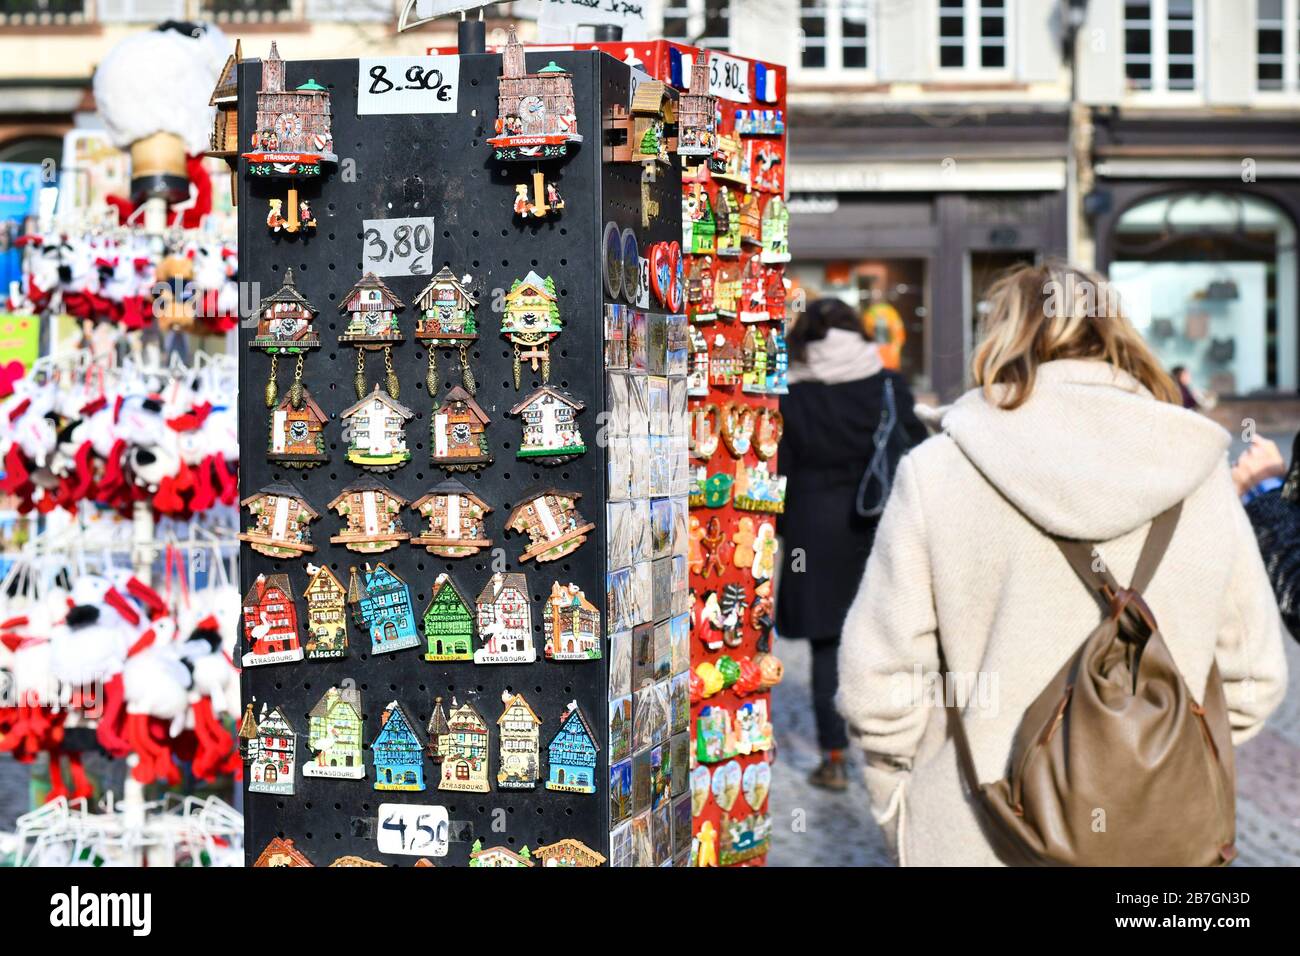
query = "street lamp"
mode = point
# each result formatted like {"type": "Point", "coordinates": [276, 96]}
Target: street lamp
{"type": "Point", "coordinates": [1075, 13]}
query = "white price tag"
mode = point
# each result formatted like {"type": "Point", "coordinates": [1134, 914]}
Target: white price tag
{"type": "Point", "coordinates": [407, 84]}
{"type": "Point", "coordinates": [729, 77]}
{"type": "Point", "coordinates": [412, 829]}
{"type": "Point", "coordinates": [398, 247]}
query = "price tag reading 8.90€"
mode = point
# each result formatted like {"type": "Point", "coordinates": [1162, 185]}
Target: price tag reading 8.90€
{"type": "Point", "coordinates": [412, 829]}
{"type": "Point", "coordinates": [397, 247]}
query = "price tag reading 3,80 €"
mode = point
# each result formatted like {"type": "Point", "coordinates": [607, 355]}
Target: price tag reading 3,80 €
{"type": "Point", "coordinates": [397, 247]}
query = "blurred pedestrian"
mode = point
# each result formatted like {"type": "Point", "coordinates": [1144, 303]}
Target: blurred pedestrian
{"type": "Point", "coordinates": [841, 400]}
{"type": "Point", "coordinates": [1271, 493]}
{"type": "Point", "coordinates": [1075, 433]}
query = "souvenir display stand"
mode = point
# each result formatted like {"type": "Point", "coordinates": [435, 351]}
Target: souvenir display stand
{"type": "Point", "coordinates": [442, 695]}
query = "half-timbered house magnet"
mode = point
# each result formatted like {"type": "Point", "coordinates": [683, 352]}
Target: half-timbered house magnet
{"type": "Point", "coordinates": [375, 430]}
{"type": "Point", "coordinates": [457, 433]}
{"type": "Point", "coordinates": [699, 290]}
{"type": "Point", "coordinates": [752, 303]}
{"type": "Point", "coordinates": [465, 751]}
{"type": "Point", "coordinates": [726, 291]}
{"type": "Point", "coordinates": [517, 744]}
{"type": "Point", "coordinates": [447, 322]}
{"type": "Point", "coordinates": [775, 231]}
{"type": "Point", "coordinates": [551, 520]}
{"type": "Point", "coordinates": [327, 623]}
{"type": "Point", "coordinates": [292, 139]}
{"type": "Point", "coordinates": [281, 517]}
{"type": "Point", "coordinates": [505, 621]}
{"type": "Point", "coordinates": [382, 603]}
{"type": "Point", "coordinates": [571, 755]}
{"type": "Point", "coordinates": [371, 308]}
{"type": "Point", "coordinates": [334, 735]}
{"type": "Point", "coordinates": [531, 320]}
{"type": "Point", "coordinates": [297, 437]}
{"type": "Point", "coordinates": [697, 375]}
{"type": "Point", "coordinates": [778, 376]}
{"type": "Point", "coordinates": [754, 359]}
{"type": "Point", "coordinates": [726, 363]}
{"type": "Point", "coordinates": [397, 752]}
{"type": "Point", "coordinates": [272, 752]}
{"type": "Point", "coordinates": [699, 226]}
{"type": "Point", "coordinates": [568, 852]}
{"type": "Point", "coordinates": [550, 420]}
{"type": "Point", "coordinates": [281, 852]}
{"type": "Point", "coordinates": [371, 512]}
{"type": "Point", "coordinates": [436, 733]}
{"type": "Point", "coordinates": [448, 623]}
{"type": "Point", "coordinates": [456, 519]}
{"type": "Point", "coordinates": [571, 625]}
{"type": "Point", "coordinates": [284, 327]}
{"type": "Point", "coordinates": [726, 215]}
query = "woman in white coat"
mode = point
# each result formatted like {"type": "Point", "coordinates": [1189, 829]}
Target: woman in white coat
{"type": "Point", "coordinates": [1075, 431]}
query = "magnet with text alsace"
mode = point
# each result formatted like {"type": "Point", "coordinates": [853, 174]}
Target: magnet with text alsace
{"type": "Point", "coordinates": [381, 603]}
{"type": "Point", "coordinates": [280, 521]}
{"type": "Point", "coordinates": [550, 423]}
{"type": "Point", "coordinates": [292, 139]}
{"type": "Point", "coordinates": [327, 624]}
{"type": "Point", "coordinates": [334, 735]}
{"type": "Point", "coordinates": [518, 744]}
{"type": "Point", "coordinates": [372, 310]}
{"type": "Point", "coordinates": [375, 430]}
{"type": "Point", "coordinates": [297, 433]}
{"type": "Point", "coordinates": [458, 433]}
{"type": "Point", "coordinates": [745, 839]}
{"type": "Point", "coordinates": [505, 621]}
{"type": "Point", "coordinates": [397, 752]}
{"type": "Point", "coordinates": [447, 322]}
{"type": "Point", "coordinates": [553, 523]}
{"type": "Point", "coordinates": [284, 327]}
{"type": "Point", "coordinates": [271, 747]}
{"type": "Point", "coordinates": [372, 513]}
{"type": "Point", "coordinates": [572, 754]}
{"type": "Point", "coordinates": [457, 521]}
{"type": "Point", "coordinates": [531, 320]}
{"type": "Point", "coordinates": [758, 488]}
{"type": "Point", "coordinates": [464, 751]}
{"type": "Point", "coordinates": [448, 624]}
{"type": "Point", "coordinates": [571, 625]}
{"type": "Point", "coordinates": [768, 432]}
{"type": "Point", "coordinates": [738, 421]}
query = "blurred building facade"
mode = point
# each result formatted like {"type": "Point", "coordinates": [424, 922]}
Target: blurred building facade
{"type": "Point", "coordinates": [933, 144]}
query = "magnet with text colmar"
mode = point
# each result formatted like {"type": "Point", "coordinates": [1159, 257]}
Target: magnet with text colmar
{"type": "Point", "coordinates": [411, 829]}
{"type": "Point", "coordinates": [407, 84]}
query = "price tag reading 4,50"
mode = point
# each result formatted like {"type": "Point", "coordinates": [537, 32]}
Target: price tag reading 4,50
{"type": "Point", "coordinates": [728, 77]}
{"type": "Point", "coordinates": [397, 247]}
{"type": "Point", "coordinates": [411, 829]}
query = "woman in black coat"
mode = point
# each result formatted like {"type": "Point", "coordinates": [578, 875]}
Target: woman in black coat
{"type": "Point", "coordinates": [1271, 493]}
{"type": "Point", "coordinates": [837, 387]}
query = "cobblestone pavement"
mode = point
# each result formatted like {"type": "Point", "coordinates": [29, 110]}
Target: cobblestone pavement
{"type": "Point", "coordinates": [814, 828]}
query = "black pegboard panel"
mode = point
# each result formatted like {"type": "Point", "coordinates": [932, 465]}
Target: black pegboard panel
{"type": "Point", "coordinates": [438, 165]}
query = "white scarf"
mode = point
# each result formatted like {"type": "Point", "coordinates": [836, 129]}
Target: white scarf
{"type": "Point", "coordinates": [843, 356]}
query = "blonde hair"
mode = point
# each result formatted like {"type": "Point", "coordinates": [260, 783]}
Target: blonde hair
{"type": "Point", "coordinates": [1054, 311]}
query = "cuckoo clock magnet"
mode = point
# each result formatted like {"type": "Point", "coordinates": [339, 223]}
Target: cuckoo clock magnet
{"type": "Point", "coordinates": [371, 308]}
{"type": "Point", "coordinates": [297, 438]}
{"type": "Point", "coordinates": [550, 423]}
{"type": "Point", "coordinates": [447, 322]}
{"type": "Point", "coordinates": [281, 517]}
{"type": "Point", "coordinates": [371, 512]}
{"type": "Point", "coordinates": [553, 523]}
{"type": "Point", "coordinates": [284, 327]}
{"type": "Point", "coordinates": [457, 521]}
{"type": "Point", "coordinates": [457, 433]}
{"type": "Point", "coordinates": [531, 321]}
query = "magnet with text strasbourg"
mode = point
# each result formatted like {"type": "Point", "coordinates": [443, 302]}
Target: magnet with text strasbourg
{"type": "Point", "coordinates": [448, 623]}
{"type": "Point", "coordinates": [571, 625]}
{"type": "Point", "coordinates": [458, 433]}
{"type": "Point", "coordinates": [397, 752]}
{"type": "Point", "coordinates": [327, 622]}
{"type": "Point", "coordinates": [530, 322]}
{"type": "Point", "coordinates": [465, 751]}
{"type": "Point", "coordinates": [281, 517]}
{"type": "Point", "coordinates": [375, 430]}
{"type": "Point", "coordinates": [518, 744]}
{"type": "Point", "coordinates": [371, 308]}
{"type": "Point", "coordinates": [572, 754]}
{"type": "Point", "coordinates": [270, 622]}
{"type": "Point", "coordinates": [372, 513]}
{"type": "Point", "coordinates": [284, 327]}
{"type": "Point", "coordinates": [334, 735]}
{"type": "Point", "coordinates": [381, 603]}
{"type": "Point", "coordinates": [505, 621]}
{"type": "Point", "coordinates": [457, 521]}
{"type": "Point", "coordinates": [553, 523]}
{"type": "Point", "coordinates": [447, 322]}
{"type": "Point", "coordinates": [550, 422]}
{"type": "Point", "coordinates": [271, 751]}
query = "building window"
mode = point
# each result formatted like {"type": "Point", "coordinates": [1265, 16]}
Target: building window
{"type": "Point", "coordinates": [1277, 45]}
{"type": "Point", "coordinates": [1160, 41]}
{"type": "Point", "coordinates": [705, 23]}
{"type": "Point", "coordinates": [835, 35]}
{"type": "Point", "coordinates": [973, 35]}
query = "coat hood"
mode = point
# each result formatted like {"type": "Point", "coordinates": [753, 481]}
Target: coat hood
{"type": "Point", "coordinates": [1091, 454]}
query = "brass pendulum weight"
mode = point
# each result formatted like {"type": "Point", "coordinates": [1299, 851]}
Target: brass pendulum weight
{"type": "Point", "coordinates": [467, 373]}
{"type": "Point", "coordinates": [272, 390]}
{"type": "Point", "coordinates": [390, 377]}
{"type": "Point", "coordinates": [296, 391]}
{"type": "Point", "coordinates": [431, 379]}
{"type": "Point", "coordinates": [359, 382]}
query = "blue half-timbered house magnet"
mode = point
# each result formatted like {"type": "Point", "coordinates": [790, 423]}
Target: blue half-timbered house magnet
{"type": "Point", "coordinates": [572, 754]}
{"type": "Point", "coordinates": [397, 752]}
{"type": "Point", "coordinates": [382, 605]}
